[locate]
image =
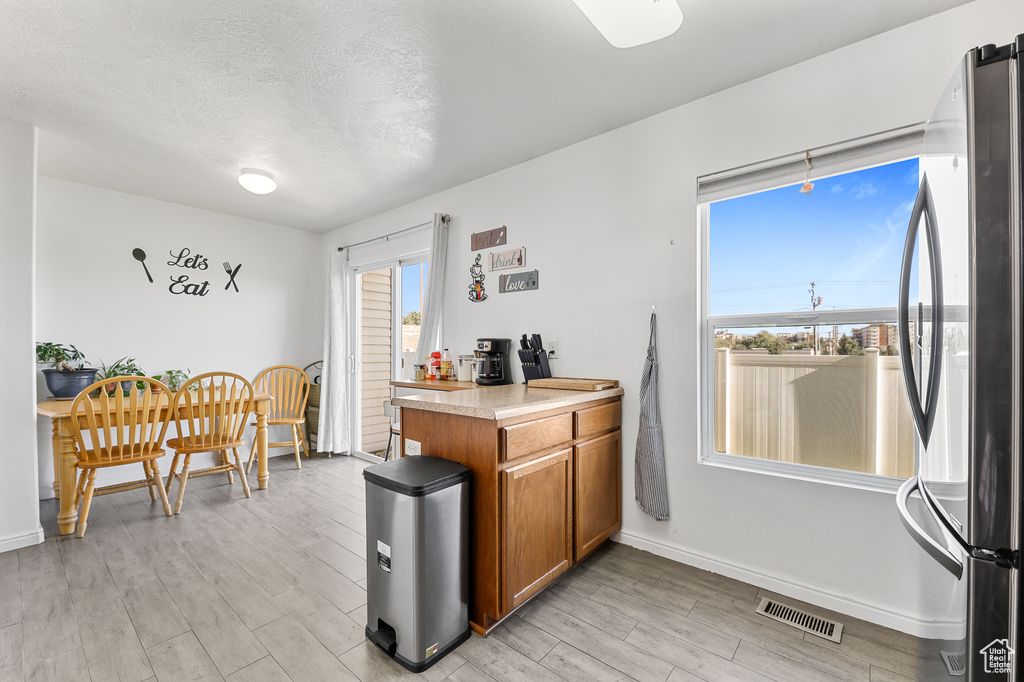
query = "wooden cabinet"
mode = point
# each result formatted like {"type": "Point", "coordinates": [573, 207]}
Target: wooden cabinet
{"type": "Point", "coordinates": [537, 516]}
{"type": "Point", "coordinates": [546, 491]}
{"type": "Point", "coordinates": [597, 492]}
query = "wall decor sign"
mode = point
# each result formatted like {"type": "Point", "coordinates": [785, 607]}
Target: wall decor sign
{"type": "Point", "coordinates": [491, 238]}
{"type": "Point", "coordinates": [505, 260]}
{"type": "Point", "coordinates": [518, 281]}
{"type": "Point", "coordinates": [476, 288]}
{"type": "Point", "coordinates": [183, 284]}
{"type": "Point", "coordinates": [231, 275]}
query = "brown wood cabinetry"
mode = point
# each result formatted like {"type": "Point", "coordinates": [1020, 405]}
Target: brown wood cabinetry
{"type": "Point", "coordinates": [546, 491]}
{"type": "Point", "coordinates": [537, 520]}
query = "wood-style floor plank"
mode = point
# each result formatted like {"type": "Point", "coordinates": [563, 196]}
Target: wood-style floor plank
{"type": "Point", "coordinates": [182, 658]}
{"type": "Point", "coordinates": [300, 654]}
{"type": "Point", "coordinates": [272, 588]}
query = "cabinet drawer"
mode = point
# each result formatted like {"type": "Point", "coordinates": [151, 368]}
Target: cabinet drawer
{"type": "Point", "coordinates": [523, 439]}
{"type": "Point", "coordinates": [599, 419]}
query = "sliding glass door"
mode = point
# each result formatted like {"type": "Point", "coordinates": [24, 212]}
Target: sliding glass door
{"type": "Point", "coordinates": [388, 302]}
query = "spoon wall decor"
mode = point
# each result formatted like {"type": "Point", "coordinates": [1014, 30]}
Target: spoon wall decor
{"type": "Point", "coordinates": [140, 256]}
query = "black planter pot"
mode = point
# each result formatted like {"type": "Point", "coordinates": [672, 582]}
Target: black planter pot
{"type": "Point", "coordinates": [68, 384]}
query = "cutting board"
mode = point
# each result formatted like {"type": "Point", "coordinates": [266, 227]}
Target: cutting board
{"type": "Point", "coordinates": [574, 384]}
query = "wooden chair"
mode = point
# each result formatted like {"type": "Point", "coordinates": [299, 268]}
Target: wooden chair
{"type": "Point", "coordinates": [210, 413]}
{"type": "Point", "coordinates": [289, 386]}
{"type": "Point", "coordinates": [121, 430]}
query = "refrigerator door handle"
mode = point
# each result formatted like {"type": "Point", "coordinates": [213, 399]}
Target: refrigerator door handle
{"type": "Point", "coordinates": [924, 414]}
{"type": "Point", "coordinates": [940, 553]}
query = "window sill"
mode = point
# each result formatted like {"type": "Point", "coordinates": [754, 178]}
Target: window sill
{"type": "Point", "coordinates": [803, 472]}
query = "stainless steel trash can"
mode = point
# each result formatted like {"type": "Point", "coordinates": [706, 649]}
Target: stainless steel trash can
{"type": "Point", "coordinates": [417, 558]}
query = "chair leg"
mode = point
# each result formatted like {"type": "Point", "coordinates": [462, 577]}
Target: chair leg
{"type": "Point", "coordinates": [170, 474]}
{"type": "Point", "coordinates": [158, 483]}
{"type": "Point", "coordinates": [252, 456]}
{"type": "Point", "coordinates": [295, 442]}
{"type": "Point", "coordinates": [149, 475]}
{"type": "Point", "coordinates": [241, 473]}
{"type": "Point", "coordinates": [83, 520]}
{"type": "Point", "coordinates": [224, 461]}
{"type": "Point", "coordinates": [182, 480]}
{"type": "Point", "coordinates": [387, 449]}
{"type": "Point", "coordinates": [80, 488]}
{"type": "Point", "coordinates": [302, 439]}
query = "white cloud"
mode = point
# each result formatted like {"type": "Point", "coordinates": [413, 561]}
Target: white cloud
{"type": "Point", "coordinates": [836, 189]}
{"type": "Point", "coordinates": [864, 189]}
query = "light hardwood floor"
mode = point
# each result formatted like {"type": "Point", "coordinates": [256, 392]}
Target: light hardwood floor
{"type": "Point", "coordinates": [272, 588]}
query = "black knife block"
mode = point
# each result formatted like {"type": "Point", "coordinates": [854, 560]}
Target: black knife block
{"type": "Point", "coordinates": [535, 364]}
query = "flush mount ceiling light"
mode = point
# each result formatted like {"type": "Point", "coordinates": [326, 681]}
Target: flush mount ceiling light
{"type": "Point", "coordinates": [257, 181]}
{"type": "Point", "coordinates": [628, 23]}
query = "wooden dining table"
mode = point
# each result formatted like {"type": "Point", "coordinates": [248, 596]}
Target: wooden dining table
{"type": "Point", "coordinates": [65, 453]}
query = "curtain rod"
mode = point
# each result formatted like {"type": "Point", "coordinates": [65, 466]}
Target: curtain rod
{"type": "Point", "coordinates": [386, 237]}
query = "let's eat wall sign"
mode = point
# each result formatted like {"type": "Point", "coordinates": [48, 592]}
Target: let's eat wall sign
{"type": "Point", "coordinates": [190, 272]}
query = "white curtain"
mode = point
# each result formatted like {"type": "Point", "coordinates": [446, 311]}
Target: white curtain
{"type": "Point", "coordinates": [334, 431]}
{"type": "Point", "coordinates": [432, 297]}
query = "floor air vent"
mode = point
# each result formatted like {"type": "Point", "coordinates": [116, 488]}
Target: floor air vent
{"type": "Point", "coordinates": [822, 627]}
{"type": "Point", "coordinates": [956, 663]}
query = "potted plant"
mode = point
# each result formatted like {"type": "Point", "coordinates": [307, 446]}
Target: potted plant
{"type": "Point", "coordinates": [64, 381]}
{"type": "Point", "coordinates": [174, 378]}
{"type": "Point", "coordinates": [125, 366]}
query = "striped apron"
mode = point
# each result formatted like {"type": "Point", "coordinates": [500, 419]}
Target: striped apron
{"type": "Point", "coordinates": [651, 485]}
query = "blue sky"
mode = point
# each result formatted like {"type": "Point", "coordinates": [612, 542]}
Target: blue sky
{"type": "Point", "coordinates": [411, 286]}
{"type": "Point", "coordinates": [847, 236]}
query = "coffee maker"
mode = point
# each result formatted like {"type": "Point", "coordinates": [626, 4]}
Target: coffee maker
{"type": "Point", "coordinates": [493, 364]}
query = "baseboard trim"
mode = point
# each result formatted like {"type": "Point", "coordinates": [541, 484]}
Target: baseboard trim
{"type": "Point", "coordinates": [24, 540]}
{"type": "Point", "coordinates": [871, 612]}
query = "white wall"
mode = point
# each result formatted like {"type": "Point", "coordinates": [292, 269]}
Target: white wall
{"type": "Point", "coordinates": [92, 293]}
{"type": "Point", "coordinates": [19, 511]}
{"type": "Point", "coordinates": [611, 223]}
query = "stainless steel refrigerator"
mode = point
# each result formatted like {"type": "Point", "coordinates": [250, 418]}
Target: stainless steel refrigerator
{"type": "Point", "coordinates": [961, 348]}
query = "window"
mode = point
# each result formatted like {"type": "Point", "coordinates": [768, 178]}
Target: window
{"type": "Point", "coordinates": [800, 374]}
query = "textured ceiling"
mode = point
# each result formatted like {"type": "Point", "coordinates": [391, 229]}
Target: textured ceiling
{"type": "Point", "coordinates": [358, 106]}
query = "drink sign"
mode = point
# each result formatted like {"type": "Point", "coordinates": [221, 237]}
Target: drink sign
{"type": "Point", "coordinates": [505, 260]}
{"type": "Point", "coordinates": [485, 240]}
{"type": "Point", "coordinates": [518, 281]}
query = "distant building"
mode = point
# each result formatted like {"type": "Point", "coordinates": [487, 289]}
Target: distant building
{"type": "Point", "coordinates": [875, 335]}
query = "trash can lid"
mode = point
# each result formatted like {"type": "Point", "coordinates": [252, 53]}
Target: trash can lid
{"type": "Point", "coordinates": [416, 476]}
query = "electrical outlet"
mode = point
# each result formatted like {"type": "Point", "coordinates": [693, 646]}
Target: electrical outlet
{"type": "Point", "coordinates": [413, 447]}
{"type": "Point", "coordinates": [552, 349]}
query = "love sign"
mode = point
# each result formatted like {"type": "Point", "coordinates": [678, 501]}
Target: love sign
{"type": "Point", "coordinates": [518, 281]}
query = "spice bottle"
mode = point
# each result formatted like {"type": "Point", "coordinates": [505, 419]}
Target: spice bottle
{"type": "Point", "coordinates": [447, 368]}
{"type": "Point", "coordinates": [435, 365]}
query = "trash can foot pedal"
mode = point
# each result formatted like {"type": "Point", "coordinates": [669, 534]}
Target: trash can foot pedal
{"type": "Point", "coordinates": [384, 637]}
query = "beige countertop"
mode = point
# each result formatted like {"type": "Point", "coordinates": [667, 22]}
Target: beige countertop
{"type": "Point", "coordinates": [501, 402]}
{"type": "Point", "coordinates": [437, 384]}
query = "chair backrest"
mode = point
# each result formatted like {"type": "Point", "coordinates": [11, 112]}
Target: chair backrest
{"type": "Point", "coordinates": [290, 387]}
{"type": "Point", "coordinates": [121, 428]}
{"type": "Point", "coordinates": [211, 409]}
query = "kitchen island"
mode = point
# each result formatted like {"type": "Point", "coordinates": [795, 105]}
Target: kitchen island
{"type": "Point", "coordinates": [547, 481]}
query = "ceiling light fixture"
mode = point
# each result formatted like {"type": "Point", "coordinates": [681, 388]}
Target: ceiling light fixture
{"type": "Point", "coordinates": [257, 181]}
{"type": "Point", "coordinates": [628, 23]}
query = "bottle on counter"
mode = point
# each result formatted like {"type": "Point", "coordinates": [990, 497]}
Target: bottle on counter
{"type": "Point", "coordinates": [434, 365]}
{"type": "Point", "coordinates": [447, 367]}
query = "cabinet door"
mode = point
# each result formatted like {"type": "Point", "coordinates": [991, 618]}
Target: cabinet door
{"type": "Point", "coordinates": [537, 543]}
{"type": "Point", "coordinates": [598, 491]}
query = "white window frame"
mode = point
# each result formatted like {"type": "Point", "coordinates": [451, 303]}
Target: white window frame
{"type": "Point", "coordinates": [882, 149]}
{"type": "Point", "coordinates": [407, 251]}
